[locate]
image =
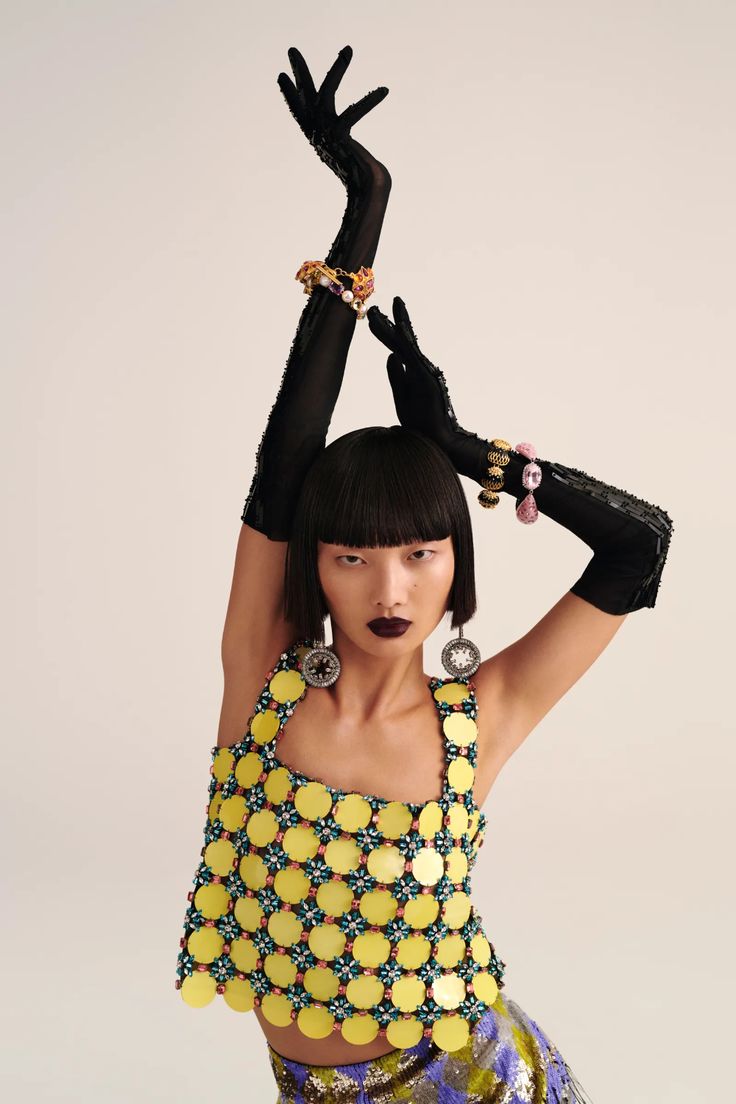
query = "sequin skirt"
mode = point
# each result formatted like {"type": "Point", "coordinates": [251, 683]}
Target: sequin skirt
{"type": "Point", "coordinates": [508, 1059]}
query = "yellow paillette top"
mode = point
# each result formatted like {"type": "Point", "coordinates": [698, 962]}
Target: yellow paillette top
{"type": "Point", "coordinates": [340, 911]}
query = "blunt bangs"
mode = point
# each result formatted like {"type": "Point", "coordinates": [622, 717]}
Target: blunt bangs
{"type": "Point", "coordinates": [376, 487]}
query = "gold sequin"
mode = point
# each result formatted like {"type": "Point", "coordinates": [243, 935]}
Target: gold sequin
{"type": "Point", "coordinates": [456, 865]}
{"type": "Point", "coordinates": [378, 906]}
{"type": "Point", "coordinates": [233, 812]}
{"type": "Point", "coordinates": [212, 900]}
{"type": "Point", "coordinates": [485, 987]}
{"type": "Point", "coordinates": [321, 982]}
{"type": "Point", "coordinates": [427, 866]}
{"type": "Point", "coordinates": [291, 885]}
{"type": "Point", "coordinates": [450, 1033]}
{"type": "Point", "coordinates": [220, 856]}
{"type": "Point", "coordinates": [405, 1033]}
{"type": "Point", "coordinates": [342, 855]}
{"type": "Point", "coordinates": [452, 693]}
{"type": "Point", "coordinates": [286, 686]}
{"type": "Point", "coordinates": [249, 913]}
{"type": "Point", "coordinates": [456, 909]}
{"type": "Point", "coordinates": [244, 955]}
{"type": "Point", "coordinates": [422, 911]}
{"type": "Point", "coordinates": [239, 994]}
{"type": "Point", "coordinates": [460, 774]}
{"type": "Point", "coordinates": [285, 928]}
{"type": "Point", "coordinates": [364, 991]}
{"type": "Point", "coordinates": [205, 945]}
{"type": "Point", "coordinates": [334, 898]}
{"type": "Point", "coordinates": [430, 820]}
{"type": "Point", "coordinates": [277, 1009]}
{"type": "Point", "coordinates": [313, 800]}
{"type": "Point", "coordinates": [457, 817]}
{"type": "Point", "coordinates": [300, 843]}
{"type": "Point", "coordinates": [352, 812]}
{"type": "Point", "coordinates": [359, 1029]}
{"type": "Point", "coordinates": [371, 949]}
{"type": "Point", "coordinates": [262, 827]}
{"type": "Point", "coordinates": [248, 770]}
{"type": "Point", "coordinates": [253, 871]}
{"type": "Point", "coordinates": [198, 989]}
{"type": "Point", "coordinates": [222, 764]}
{"type": "Point", "coordinates": [280, 969]}
{"type": "Point", "coordinates": [277, 785]}
{"type": "Point", "coordinates": [385, 863]}
{"type": "Point", "coordinates": [264, 726]}
{"type": "Point", "coordinates": [394, 820]}
{"type": "Point", "coordinates": [460, 729]}
{"type": "Point", "coordinates": [408, 993]}
{"type": "Point", "coordinates": [327, 941]}
{"type": "Point", "coordinates": [412, 951]}
{"type": "Point", "coordinates": [480, 949]}
{"type": "Point", "coordinates": [448, 990]}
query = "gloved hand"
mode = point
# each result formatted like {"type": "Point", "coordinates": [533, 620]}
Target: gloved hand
{"type": "Point", "coordinates": [630, 537]}
{"type": "Point", "coordinates": [297, 426]}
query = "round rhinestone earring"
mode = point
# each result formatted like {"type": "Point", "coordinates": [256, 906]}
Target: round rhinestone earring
{"type": "Point", "coordinates": [320, 665]}
{"type": "Point", "coordinates": [461, 657]}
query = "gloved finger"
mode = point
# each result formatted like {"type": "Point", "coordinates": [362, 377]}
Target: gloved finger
{"type": "Point", "coordinates": [291, 96]}
{"type": "Point", "coordinates": [397, 379]}
{"type": "Point", "coordinates": [302, 76]}
{"type": "Point", "coordinates": [401, 315]}
{"type": "Point", "coordinates": [382, 328]}
{"type": "Point", "coordinates": [334, 75]}
{"type": "Point", "coordinates": [356, 111]}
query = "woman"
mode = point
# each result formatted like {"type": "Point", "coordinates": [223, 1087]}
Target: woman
{"type": "Point", "coordinates": [333, 894]}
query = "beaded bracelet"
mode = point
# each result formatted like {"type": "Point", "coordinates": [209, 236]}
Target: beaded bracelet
{"type": "Point", "coordinates": [531, 477]}
{"type": "Point", "coordinates": [498, 458]}
{"type": "Point", "coordinates": [313, 273]}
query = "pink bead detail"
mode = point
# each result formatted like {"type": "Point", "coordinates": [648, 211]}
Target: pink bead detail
{"type": "Point", "coordinates": [220, 989]}
{"type": "Point", "coordinates": [279, 836]}
{"type": "Point", "coordinates": [527, 511]}
{"type": "Point", "coordinates": [526, 449]}
{"type": "Point", "coordinates": [320, 849]}
{"type": "Point", "coordinates": [269, 879]}
{"type": "Point", "coordinates": [342, 989]}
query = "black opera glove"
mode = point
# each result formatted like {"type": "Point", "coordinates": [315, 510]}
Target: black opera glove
{"type": "Point", "coordinates": [300, 417]}
{"type": "Point", "coordinates": [629, 537]}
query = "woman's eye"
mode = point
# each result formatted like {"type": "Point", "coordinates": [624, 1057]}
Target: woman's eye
{"type": "Point", "coordinates": [429, 553]}
{"type": "Point", "coordinates": [348, 557]}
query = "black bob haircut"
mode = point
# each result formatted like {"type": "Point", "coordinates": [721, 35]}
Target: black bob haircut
{"type": "Point", "coordinates": [376, 487]}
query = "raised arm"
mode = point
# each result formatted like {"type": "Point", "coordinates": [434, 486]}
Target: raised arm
{"type": "Point", "coordinates": [629, 537]}
{"type": "Point", "coordinates": [299, 419]}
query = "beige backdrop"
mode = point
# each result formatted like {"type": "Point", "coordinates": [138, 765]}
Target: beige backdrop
{"type": "Point", "coordinates": [561, 227]}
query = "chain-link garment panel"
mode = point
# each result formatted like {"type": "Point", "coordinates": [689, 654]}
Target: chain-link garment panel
{"type": "Point", "coordinates": [340, 911]}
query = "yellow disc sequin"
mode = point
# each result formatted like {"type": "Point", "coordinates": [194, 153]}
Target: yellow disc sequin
{"type": "Point", "coordinates": [405, 1033]}
{"type": "Point", "coordinates": [280, 969]}
{"type": "Point", "coordinates": [412, 951]}
{"type": "Point", "coordinates": [371, 949]}
{"type": "Point", "coordinates": [456, 909]}
{"type": "Point", "coordinates": [213, 809]}
{"type": "Point", "coordinates": [430, 820]}
{"type": "Point", "coordinates": [427, 866]}
{"type": "Point", "coordinates": [277, 785]}
{"type": "Point", "coordinates": [452, 693]}
{"type": "Point", "coordinates": [253, 871]}
{"type": "Point", "coordinates": [248, 913]}
{"type": "Point", "coordinates": [244, 955]}
{"type": "Point", "coordinates": [456, 865]}
{"type": "Point", "coordinates": [239, 994]}
{"type": "Point", "coordinates": [277, 1009]}
{"type": "Point", "coordinates": [286, 686]}
{"type": "Point", "coordinates": [457, 819]}
{"type": "Point", "coordinates": [220, 857]}
{"type": "Point", "coordinates": [222, 764]}
{"type": "Point", "coordinates": [450, 1032]}
{"type": "Point", "coordinates": [485, 987]}
{"type": "Point", "coordinates": [408, 993]}
{"type": "Point", "coordinates": [460, 774]}
{"type": "Point", "coordinates": [460, 729]}
{"type": "Point", "coordinates": [233, 812]}
{"type": "Point", "coordinates": [342, 855]}
{"type": "Point", "coordinates": [334, 898]}
{"type": "Point", "coordinates": [473, 823]}
{"type": "Point", "coordinates": [315, 1023]}
{"type": "Point", "coordinates": [205, 945]}
{"type": "Point", "coordinates": [285, 928]}
{"type": "Point", "coordinates": [300, 843]}
{"type": "Point", "coordinates": [248, 770]}
{"type": "Point", "coordinates": [422, 911]}
{"type": "Point", "coordinates": [352, 812]}
{"type": "Point", "coordinates": [262, 828]}
{"type": "Point", "coordinates": [198, 989]}
{"type": "Point", "coordinates": [448, 990]}
{"type": "Point", "coordinates": [386, 863]}
{"type": "Point", "coordinates": [394, 820]}
{"type": "Point", "coordinates": [364, 991]}
{"type": "Point", "coordinates": [321, 982]}
{"type": "Point", "coordinates": [359, 1029]}
{"type": "Point", "coordinates": [264, 726]}
{"type": "Point", "coordinates": [291, 885]}
{"type": "Point", "coordinates": [480, 949]}
{"type": "Point", "coordinates": [327, 941]}
{"type": "Point", "coordinates": [450, 951]}
{"type": "Point", "coordinates": [212, 900]}
{"type": "Point", "coordinates": [313, 800]}
{"type": "Point", "coordinates": [378, 906]}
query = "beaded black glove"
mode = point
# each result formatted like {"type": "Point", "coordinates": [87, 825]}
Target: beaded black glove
{"type": "Point", "coordinates": [629, 537]}
{"type": "Point", "coordinates": [299, 419]}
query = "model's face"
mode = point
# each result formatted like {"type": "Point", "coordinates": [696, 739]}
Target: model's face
{"type": "Point", "coordinates": [364, 584]}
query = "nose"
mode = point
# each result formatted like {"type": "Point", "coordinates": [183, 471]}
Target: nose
{"type": "Point", "coordinates": [391, 590]}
